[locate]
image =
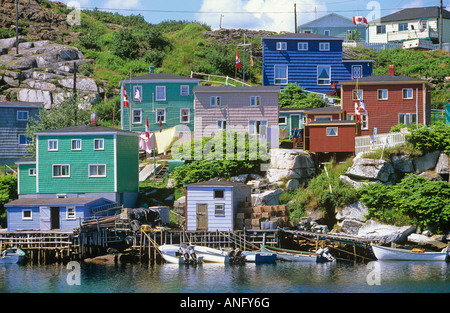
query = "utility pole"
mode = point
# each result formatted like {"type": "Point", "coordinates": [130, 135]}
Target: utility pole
{"type": "Point", "coordinates": [243, 72]}
{"type": "Point", "coordinates": [295, 17]}
{"type": "Point", "coordinates": [440, 26]}
{"type": "Point", "coordinates": [74, 97]}
{"type": "Point", "coordinates": [17, 26]}
{"type": "Point", "coordinates": [220, 23]}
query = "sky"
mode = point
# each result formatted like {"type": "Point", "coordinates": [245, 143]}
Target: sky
{"type": "Point", "coordinates": [272, 15]}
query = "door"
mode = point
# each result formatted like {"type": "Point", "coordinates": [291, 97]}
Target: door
{"type": "Point", "coordinates": [202, 216]}
{"type": "Point", "coordinates": [44, 218]}
{"type": "Point", "coordinates": [295, 123]}
{"type": "Point", "coordinates": [54, 217]}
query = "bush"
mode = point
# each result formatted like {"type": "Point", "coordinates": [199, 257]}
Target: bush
{"type": "Point", "coordinates": [429, 139]}
{"type": "Point", "coordinates": [124, 44]}
{"type": "Point", "coordinates": [8, 192]}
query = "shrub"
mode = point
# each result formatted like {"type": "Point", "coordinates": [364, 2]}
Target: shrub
{"type": "Point", "coordinates": [124, 44]}
{"type": "Point", "coordinates": [8, 192]}
{"type": "Point", "coordinates": [429, 139]}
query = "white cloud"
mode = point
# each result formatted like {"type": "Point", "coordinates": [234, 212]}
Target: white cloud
{"type": "Point", "coordinates": [272, 15]}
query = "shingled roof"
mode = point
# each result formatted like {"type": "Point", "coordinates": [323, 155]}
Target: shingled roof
{"type": "Point", "coordinates": [414, 13]}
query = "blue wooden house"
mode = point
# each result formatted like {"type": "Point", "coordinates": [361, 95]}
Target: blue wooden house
{"type": "Point", "coordinates": [313, 61]}
{"type": "Point", "coordinates": [333, 25]}
{"type": "Point", "coordinates": [14, 117]}
{"type": "Point", "coordinates": [212, 205]}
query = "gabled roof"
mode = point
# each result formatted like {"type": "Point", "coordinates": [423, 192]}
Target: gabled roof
{"type": "Point", "coordinates": [85, 130]}
{"type": "Point", "coordinates": [308, 36]}
{"type": "Point", "coordinates": [153, 77]}
{"type": "Point", "coordinates": [412, 14]}
{"type": "Point", "coordinates": [330, 20]}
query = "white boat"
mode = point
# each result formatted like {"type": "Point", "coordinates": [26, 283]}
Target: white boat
{"type": "Point", "coordinates": [298, 256]}
{"type": "Point", "coordinates": [259, 257]}
{"type": "Point", "coordinates": [212, 255]}
{"type": "Point", "coordinates": [179, 254]}
{"type": "Point", "coordinates": [386, 253]}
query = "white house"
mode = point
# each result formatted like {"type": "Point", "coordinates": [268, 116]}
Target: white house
{"type": "Point", "coordinates": [412, 23]}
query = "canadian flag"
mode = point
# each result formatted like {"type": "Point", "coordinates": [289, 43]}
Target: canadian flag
{"type": "Point", "coordinates": [147, 128]}
{"type": "Point", "coordinates": [238, 61]}
{"type": "Point", "coordinates": [357, 20]}
{"type": "Point", "coordinates": [251, 59]}
{"type": "Point", "coordinates": [126, 104]}
{"type": "Point", "coordinates": [357, 114]}
{"type": "Point", "coordinates": [362, 105]}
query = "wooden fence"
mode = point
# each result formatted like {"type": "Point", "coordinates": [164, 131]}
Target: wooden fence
{"type": "Point", "coordinates": [375, 142]}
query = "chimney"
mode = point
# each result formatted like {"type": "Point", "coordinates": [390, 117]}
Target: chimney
{"type": "Point", "coordinates": [94, 119]}
{"type": "Point", "coordinates": [391, 70]}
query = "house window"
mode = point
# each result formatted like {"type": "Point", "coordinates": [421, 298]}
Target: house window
{"type": "Point", "coordinates": [258, 127]}
{"type": "Point", "coordinates": [222, 125]}
{"type": "Point", "coordinates": [32, 172]}
{"type": "Point", "coordinates": [302, 46]}
{"type": "Point", "coordinates": [214, 101]}
{"type": "Point", "coordinates": [219, 210]}
{"type": "Point", "coordinates": [61, 170]}
{"type": "Point", "coordinates": [282, 120]}
{"type": "Point", "coordinates": [364, 120]}
{"type": "Point", "coordinates": [332, 131]}
{"type": "Point", "coordinates": [357, 94]}
{"type": "Point", "coordinates": [307, 31]}
{"type": "Point", "coordinates": [137, 116]}
{"type": "Point", "coordinates": [137, 93]}
{"type": "Point", "coordinates": [61, 196]}
{"type": "Point", "coordinates": [22, 115]}
{"type": "Point", "coordinates": [76, 144]}
{"type": "Point", "coordinates": [27, 214]}
{"type": "Point", "coordinates": [160, 115]}
{"type": "Point", "coordinates": [281, 75]}
{"type": "Point", "coordinates": [281, 45]}
{"type": "Point", "coordinates": [356, 71]}
{"type": "Point", "coordinates": [407, 118]}
{"type": "Point", "coordinates": [327, 32]}
{"type": "Point", "coordinates": [24, 140]}
{"type": "Point", "coordinates": [323, 75]}
{"type": "Point", "coordinates": [324, 46]}
{"type": "Point", "coordinates": [185, 115]}
{"type": "Point", "coordinates": [219, 194]}
{"type": "Point", "coordinates": [322, 118]}
{"type": "Point", "coordinates": [160, 93]}
{"type": "Point", "coordinates": [53, 145]}
{"type": "Point", "coordinates": [99, 144]}
{"type": "Point", "coordinates": [407, 93]}
{"type": "Point", "coordinates": [424, 24]}
{"type": "Point", "coordinates": [70, 213]}
{"type": "Point", "coordinates": [97, 170]}
{"type": "Point", "coordinates": [381, 29]}
{"type": "Point", "coordinates": [184, 90]}
{"type": "Point", "coordinates": [255, 101]}
{"type": "Point", "coordinates": [382, 94]}
{"type": "Point", "coordinates": [402, 27]}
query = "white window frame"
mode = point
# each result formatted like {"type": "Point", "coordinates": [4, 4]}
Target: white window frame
{"type": "Point", "coordinates": [412, 93]}
{"type": "Point", "coordinates": [32, 171]}
{"type": "Point", "coordinates": [183, 91]}
{"type": "Point", "coordinates": [214, 193]}
{"type": "Point", "coordinates": [324, 46]}
{"type": "Point", "coordinates": [164, 119]}
{"type": "Point", "coordinates": [139, 116]}
{"type": "Point", "coordinates": [99, 146]}
{"type": "Point", "coordinates": [283, 80]}
{"type": "Point", "coordinates": [364, 120]}
{"type": "Point", "coordinates": [360, 73]}
{"type": "Point", "coordinates": [360, 94]}
{"type": "Point", "coordinates": [188, 115]}
{"type": "Point", "coordinates": [380, 29]}
{"type": "Point", "coordinates": [255, 101]}
{"type": "Point", "coordinates": [285, 120]}
{"type": "Point", "coordinates": [220, 124]}
{"type": "Point", "coordinates": [138, 88]}
{"type": "Point", "coordinates": [29, 217]}
{"type": "Point", "coordinates": [97, 171]}
{"type": "Point", "coordinates": [332, 128]}
{"type": "Point", "coordinates": [53, 145]}
{"type": "Point", "coordinates": [403, 25]}
{"type": "Point", "coordinates": [219, 209]}
{"type": "Point", "coordinates": [302, 46]}
{"type": "Point", "coordinates": [215, 101]}
{"type": "Point", "coordinates": [382, 94]}
{"type": "Point", "coordinates": [71, 215]}
{"type": "Point", "coordinates": [329, 79]}
{"type": "Point", "coordinates": [408, 116]}
{"type": "Point", "coordinates": [422, 24]}
{"type": "Point", "coordinates": [281, 45]}
{"type": "Point", "coordinates": [20, 116]}
{"type": "Point", "coordinates": [256, 129]}
{"type": "Point", "coordinates": [61, 166]}
{"type": "Point", "coordinates": [157, 93]}
{"type": "Point", "coordinates": [76, 148]}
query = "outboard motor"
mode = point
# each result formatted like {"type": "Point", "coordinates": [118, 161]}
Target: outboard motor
{"type": "Point", "coordinates": [239, 257]}
{"type": "Point", "coordinates": [193, 256]}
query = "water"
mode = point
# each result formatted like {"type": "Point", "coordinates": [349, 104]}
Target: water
{"type": "Point", "coordinates": [281, 277]}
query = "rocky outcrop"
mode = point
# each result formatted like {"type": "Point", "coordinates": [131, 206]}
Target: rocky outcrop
{"type": "Point", "coordinates": [385, 233]}
{"type": "Point", "coordinates": [43, 72]}
{"type": "Point", "coordinates": [371, 169]}
{"type": "Point", "coordinates": [290, 164]}
{"type": "Point", "coordinates": [351, 218]}
{"type": "Point", "coordinates": [269, 197]}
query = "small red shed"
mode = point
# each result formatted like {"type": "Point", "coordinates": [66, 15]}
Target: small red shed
{"type": "Point", "coordinates": [332, 136]}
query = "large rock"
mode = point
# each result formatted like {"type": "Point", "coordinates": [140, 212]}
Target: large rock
{"type": "Point", "coordinates": [442, 166]}
{"type": "Point", "coordinates": [426, 162]}
{"type": "Point", "coordinates": [425, 240]}
{"type": "Point", "coordinates": [403, 163]}
{"type": "Point", "coordinates": [355, 182]}
{"type": "Point", "coordinates": [83, 84]}
{"type": "Point", "coordinates": [274, 175]}
{"type": "Point", "coordinates": [34, 95]}
{"type": "Point", "coordinates": [355, 211]}
{"type": "Point", "coordinates": [351, 227]}
{"type": "Point", "coordinates": [290, 164]}
{"type": "Point", "coordinates": [385, 233]}
{"type": "Point", "coordinates": [371, 169]}
{"type": "Point", "coordinates": [269, 197]}
{"type": "Point", "coordinates": [180, 202]}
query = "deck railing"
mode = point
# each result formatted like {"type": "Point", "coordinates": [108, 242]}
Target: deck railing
{"type": "Point", "coordinates": [374, 142]}
{"type": "Point", "coordinates": [225, 80]}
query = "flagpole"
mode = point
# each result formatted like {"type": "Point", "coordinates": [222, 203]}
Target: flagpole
{"type": "Point", "coordinates": [243, 72]}
{"type": "Point", "coordinates": [131, 93]}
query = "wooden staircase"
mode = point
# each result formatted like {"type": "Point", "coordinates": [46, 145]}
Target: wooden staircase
{"type": "Point", "coordinates": [162, 173]}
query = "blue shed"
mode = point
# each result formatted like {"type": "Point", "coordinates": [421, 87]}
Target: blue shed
{"type": "Point", "coordinates": [52, 214]}
{"type": "Point", "coordinates": [212, 205]}
{"type": "Point", "coordinates": [313, 61]}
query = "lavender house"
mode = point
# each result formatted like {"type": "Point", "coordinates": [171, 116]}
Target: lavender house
{"type": "Point", "coordinates": [253, 110]}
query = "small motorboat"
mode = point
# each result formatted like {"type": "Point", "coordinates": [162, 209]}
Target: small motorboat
{"type": "Point", "coordinates": [212, 255]}
{"type": "Point", "coordinates": [321, 256]}
{"type": "Point", "coordinates": [12, 255]}
{"type": "Point", "coordinates": [179, 254]}
{"type": "Point", "coordinates": [259, 257]}
{"type": "Point", "coordinates": [387, 253]}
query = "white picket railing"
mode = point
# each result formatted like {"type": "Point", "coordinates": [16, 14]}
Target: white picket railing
{"type": "Point", "coordinates": [224, 80]}
{"type": "Point", "coordinates": [374, 142]}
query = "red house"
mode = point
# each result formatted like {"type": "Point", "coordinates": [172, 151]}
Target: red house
{"type": "Point", "coordinates": [389, 99]}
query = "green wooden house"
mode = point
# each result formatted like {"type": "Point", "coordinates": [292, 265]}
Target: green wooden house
{"type": "Point", "coordinates": [165, 100]}
{"type": "Point", "coordinates": [82, 162]}
{"type": "Point", "coordinates": [290, 119]}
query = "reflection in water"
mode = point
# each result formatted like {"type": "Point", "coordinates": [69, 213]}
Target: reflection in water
{"type": "Point", "coordinates": [280, 277]}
